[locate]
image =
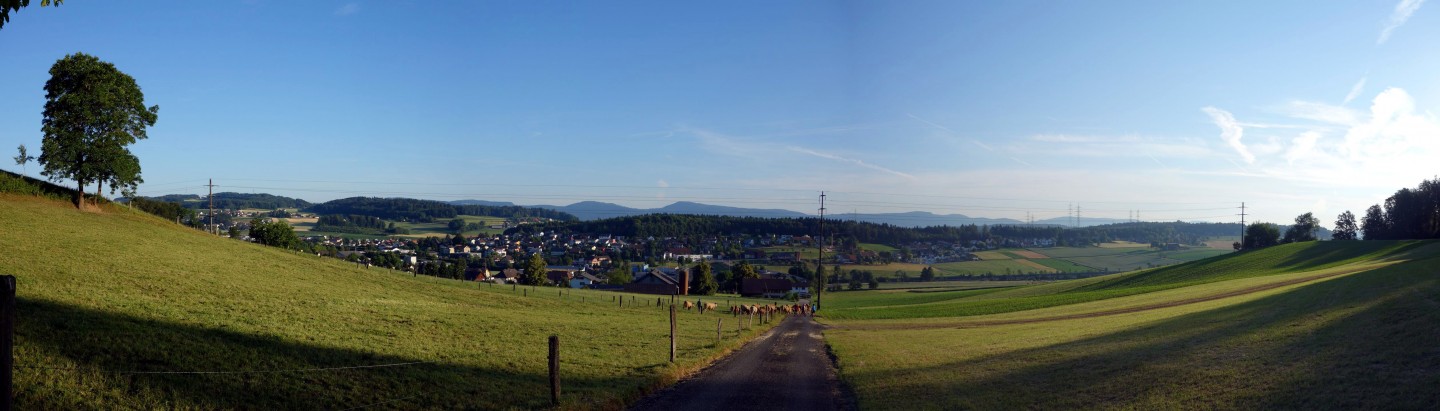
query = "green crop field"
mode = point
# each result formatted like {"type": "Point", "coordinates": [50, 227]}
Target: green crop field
{"type": "Point", "coordinates": [984, 267]}
{"type": "Point", "coordinates": [440, 227]}
{"type": "Point", "coordinates": [110, 303]}
{"type": "Point", "coordinates": [1328, 325]}
{"type": "Point", "coordinates": [879, 248]}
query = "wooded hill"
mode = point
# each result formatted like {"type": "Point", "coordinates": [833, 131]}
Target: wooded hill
{"type": "Point", "coordinates": [234, 201]}
{"type": "Point", "coordinates": [671, 225]}
{"type": "Point", "coordinates": [408, 209]}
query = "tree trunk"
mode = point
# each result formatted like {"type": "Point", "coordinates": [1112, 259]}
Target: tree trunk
{"type": "Point", "coordinates": [99, 186]}
{"type": "Point", "coordinates": [80, 195]}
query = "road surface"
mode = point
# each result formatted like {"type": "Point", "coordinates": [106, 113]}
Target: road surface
{"type": "Point", "coordinates": [785, 369]}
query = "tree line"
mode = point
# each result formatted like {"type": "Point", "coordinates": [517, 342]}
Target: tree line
{"type": "Point", "coordinates": [677, 225]}
{"type": "Point", "coordinates": [1409, 214]}
{"type": "Point", "coordinates": [425, 211]}
{"type": "Point", "coordinates": [234, 201]}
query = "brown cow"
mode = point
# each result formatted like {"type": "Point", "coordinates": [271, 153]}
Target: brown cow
{"type": "Point", "coordinates": [688, 305]}
{"type": "Point", "coordinates": [708, 307]}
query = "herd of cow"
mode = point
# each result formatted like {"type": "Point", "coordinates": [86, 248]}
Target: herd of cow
{"type": "Point", "coordinates": [747, 309]}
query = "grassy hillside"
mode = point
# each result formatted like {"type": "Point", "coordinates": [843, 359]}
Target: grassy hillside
{"type": "Point", "coordinates": [109, 302]}
{"type": "Point", "coordinates": [1271, 261]}
{"type": "Point", "coordinates": [1327, 326]}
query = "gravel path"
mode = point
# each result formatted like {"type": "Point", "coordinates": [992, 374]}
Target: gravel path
{"type": "Point", "coordinates": [787, 369]}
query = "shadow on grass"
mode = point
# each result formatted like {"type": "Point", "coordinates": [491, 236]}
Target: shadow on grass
{"type": "Point", "coordinates": [1362, 341]}
{"type": "Point", "coordinates": [70, 357]}
{"type": "Point", "coordinates": [1269, 261]}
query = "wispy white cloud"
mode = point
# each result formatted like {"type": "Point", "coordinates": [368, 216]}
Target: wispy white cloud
{"type": "Point", "coordinates": [1071, 145]}
{"type": "Point", "coordinates": [1230, 131]}
{"type": "Point", "coordinates": [348, 9]}
{"type": "Point", "coordinates": [1321, 112]}
{"type": "Point", "coordinates": [857, 162]}
{"type": "Point", "coordinates": [1355, 90]}
{"type": "Point", "coordinates": [1402, 13]}
{"type": "Point", "coordinates": [663, 184]}
{"type": "Point", "coordinates": [952, 132]}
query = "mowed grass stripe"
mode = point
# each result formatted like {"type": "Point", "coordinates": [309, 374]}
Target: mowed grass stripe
{"type": "Point", "coordinates": [1360, 340]}
{"type": "Point", "coordinates": [1275, 260]}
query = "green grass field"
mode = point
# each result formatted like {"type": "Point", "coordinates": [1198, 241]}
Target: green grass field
{"type": "Point", "coordinates": [1271, 261]}
{"type": "Point", "coordinates": [440, 228]}
{"type": "Point", "coordinates": [110, 301]}
{"type": "Point", "coordinates": [1329, 325]}
{"type": "Point", "coordinates": [879, 248]}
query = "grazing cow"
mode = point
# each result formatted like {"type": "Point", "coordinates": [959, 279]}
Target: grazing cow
{"type": "Point", "coordinates": [708, 307]}
{"type": "Point", "coordinates": [688, 305]}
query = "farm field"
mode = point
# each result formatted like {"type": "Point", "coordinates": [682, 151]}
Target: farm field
{"type": "Point", "coordinates": [879, 248]}
{"type": "Point", "coordinates": [439, 227]}
{"type": "Point", "coordinates": [282, 331]}
{"type": "Point", "coordinates": [1310, 326]}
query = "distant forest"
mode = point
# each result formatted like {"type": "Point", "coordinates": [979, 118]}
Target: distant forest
{"type": "Point", "coordinates": [672, 225]}
{"type": "Point", "coordinates": [425, 211]}
{"type": "Point", "coordinates": [233, 201]}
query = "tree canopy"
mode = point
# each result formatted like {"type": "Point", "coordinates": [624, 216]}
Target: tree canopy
{"type": "Point", "coordinates": [1409, 214]}
{"type": "Point", "coordinates": [703, 282]}
{"type": "Point", "coordinates": [7, 6]}
{"type": "Point", "coordinates": [274, 233]}
{"type": "Point", "coordinates": [1303, 230]}
{"type": "Point", "coordinates": [1261, 235]}
{"type": "Point", "coordinates": [1345, 228]}
{"type": "Point", "coordinates": [93, 112]}
{"type": "Point", "coordinates": [534, 273]}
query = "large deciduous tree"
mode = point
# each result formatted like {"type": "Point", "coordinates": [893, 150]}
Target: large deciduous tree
{"type": "Point", "coordinates": [1261, 235]}
{"type": "Point", "coordinates": [274, 233]}
{"type": "Point", "coordinates": [93, 112]}
{"type": "Point", "coordinates": [1303, 230]}
{"type": "Point", "coordinates": [1345, 228]}
{"type": "Point", "coordinates": [1374, 226]}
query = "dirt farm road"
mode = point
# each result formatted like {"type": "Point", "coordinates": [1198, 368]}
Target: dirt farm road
{"type": "Point", "coordinates": [785, 369]}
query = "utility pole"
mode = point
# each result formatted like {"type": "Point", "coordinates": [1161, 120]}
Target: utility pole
{"type": "Point", "coordinates": [820, 261]}
{"type": "Point", "coordinates": [1242, 224]}
{"type": "Point", "coordinates": [1077, 216]}
{"type": "Point", "coordinates": [211, 226]}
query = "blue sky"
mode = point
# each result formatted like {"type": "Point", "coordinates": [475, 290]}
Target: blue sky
{"type": "Point", "coordinates": [1181, 110]}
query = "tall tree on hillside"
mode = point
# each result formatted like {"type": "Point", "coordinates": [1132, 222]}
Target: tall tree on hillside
{"type": "Point", "coordinates": [1261, 235]}
{"type": "Point", "coordinates": [93, 112]}
{"type": "Point", "coordinates": [1374, 226]}
{"type": "Point", "coordinates": [927, 274]}
{"type": "Point", "coordinates": [534, 271]}
{"type": "Point", "coordinates": [1303, 230]}
{"type": "Point", "coordinates": [23, 159]}
{"type": "Point", "coordinates": [7, 6]}
{"type": "Point", "coordinates": [703, 281]}
{"type": "Point", "coordinates": [1345, 228]}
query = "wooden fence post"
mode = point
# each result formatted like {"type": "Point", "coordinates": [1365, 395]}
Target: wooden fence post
{"type": "Point", "coordinates": [718, 323]}
{"type": "Point", "coordinates": [672, 333]}
{"type": "Point", "coordinates": [554, 370]}
{"type": "Point", "coordinates": [7, 340]}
